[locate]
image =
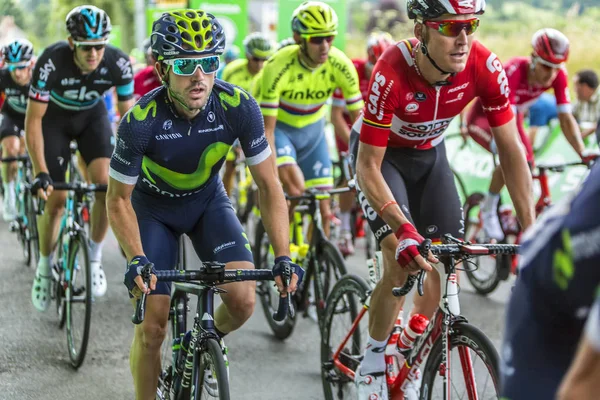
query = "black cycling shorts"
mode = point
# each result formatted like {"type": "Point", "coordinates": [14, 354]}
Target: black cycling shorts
{"type": "Point", "coordinates": [208, 218]}
{"type": "Point", "coordinates": [11, 124]}
{"type": "Point", "coordinates": [424, 188]}
{"type": "Point", "coordinates": [90, 128]}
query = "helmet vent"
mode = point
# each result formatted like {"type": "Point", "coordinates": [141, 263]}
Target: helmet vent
{"type": "Point", "coordinates": [195, 26]}
{"type": "Point", "coordinates": [186, 36]}
{"type": "Point", "coordinates": [172, 29]}
{"type": "Point", "coordinates": [171, 38]}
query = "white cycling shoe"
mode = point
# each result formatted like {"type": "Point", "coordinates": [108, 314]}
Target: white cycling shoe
{"type": "Point", "coordinates": [491, 225]}
{"type": "Point", "coordinates": [412, 389]}
{"type": "Point", "coordinates": [99, 284]}
{"type": "Point", "coordinates": [371, 386]}
{"type": "Point", "coordinates": [9, 207]}
{"type": "Point", "coordinates": [40, 291]}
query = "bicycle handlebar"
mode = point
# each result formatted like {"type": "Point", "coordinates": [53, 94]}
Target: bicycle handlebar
{"type": "Point", "coordinates": [80, 187]}
{"type": "Point", "coordinates": [215, 273]}
{"type": "Point", "coordinates": [13, 159]}
{"type": "Point", "coordinates": [456, 250]}
{"type": "Point", "coordinates": [310, 195]}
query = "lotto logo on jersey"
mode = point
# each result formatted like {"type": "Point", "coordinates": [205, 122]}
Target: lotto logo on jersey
{"type": "Point", "coordinates": [377, 96]}
{"type": "Point", "coordinates": [494, 65]}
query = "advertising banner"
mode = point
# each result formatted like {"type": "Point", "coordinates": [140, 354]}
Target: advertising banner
{"type": "Point", "coordinates": [233, 15]}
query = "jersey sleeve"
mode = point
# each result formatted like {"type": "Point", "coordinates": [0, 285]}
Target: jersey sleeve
{"type": "Point", "coordinates": [383, 100]}
{"type": "Point", "coordinates": [123, 76]}
{"type": "Point", "coordinates": [250, 128]}
{"type": "Point", "coordinates": [561, 92]}
{"type": "Point", "coordinates": [337, 99]}
{"type": "Point", "coordinates": [43, 78]}
{"type": "Point", "coordinates": [132, 140]}
{"type": "Point", "coordinates": [592, 326]}
{"type": "Point", "coordinates": [271, 84]}
{"type": "Point", "coordinates": [348, 84]}
{"type": "Point", "coordinates": [493, 88]}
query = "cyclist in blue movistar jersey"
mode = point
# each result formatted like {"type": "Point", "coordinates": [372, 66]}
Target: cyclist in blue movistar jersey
{"type": "Point", "coordinates": [65, 104]}
{"type": "Point", "coordinates": [557, 284]}
{"type": "Point", "coordinates": [14, 83]}
{"type": "Point", "coordinates": [164, 181]}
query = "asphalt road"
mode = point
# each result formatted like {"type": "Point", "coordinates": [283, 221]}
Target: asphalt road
{"type": "Point", "coordinates": [34, 362]}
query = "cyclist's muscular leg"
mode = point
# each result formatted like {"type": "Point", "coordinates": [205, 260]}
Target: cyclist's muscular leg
{"type": "Point", "coordinates": [238, 302]}
{"type": "Point", "coordinates": [49, 223]}
{"type": "Point", "coordinates": [144, 354]}
{"type": "Point", "coordinates": [293, 183]}
{"type": "Point", "coordinates": [228, 175]}
{"type": "Point", "coordinates": [98, 173]}
{"type": "Point", "coordinates": [10, 148]}
{"type": "Point", "coordinates": [428, 303]}
{"type": "Point", "coordinates": [384, 305]}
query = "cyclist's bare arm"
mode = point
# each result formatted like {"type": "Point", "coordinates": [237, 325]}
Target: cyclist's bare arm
{"type": "Point", "coordinates": [33, 134]}
{"type": "Point", "coordinates": [270, 134]}
{"type": "Point", "coordinates": [582, 381]}
{"type": "Point", "coordinates": [354, 115]}
{"type": "Point", "coordinates": [569, 126]}
{"type": "Point", "coordinates": [122, 218]}
{"type": "Point", "coordinates": [124, 106]}
{"type": "Point", "coordinates": [373, 185]}
{"type": "Point", "coordinates": [339, 123]}
{"type": "Point", "coordinates": [516, 171]}
{"type": "Point", "coordinates": [274, 212]}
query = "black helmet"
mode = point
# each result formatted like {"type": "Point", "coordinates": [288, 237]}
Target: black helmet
{"type": "Point", "coordinates": [88, 23]}
{"type": "Point", "coordinates": [431, 9]}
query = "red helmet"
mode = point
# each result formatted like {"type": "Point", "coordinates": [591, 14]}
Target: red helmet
{"type": "Point", "coordinates": [431, 9]}
{"type": "Point", "coordinates": [377, 44]}
{"type": "Point", "coordinates": [550, 47]}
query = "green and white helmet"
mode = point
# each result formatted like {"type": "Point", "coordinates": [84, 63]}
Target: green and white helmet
{"type": "Point", "coordinates": [258, 45]}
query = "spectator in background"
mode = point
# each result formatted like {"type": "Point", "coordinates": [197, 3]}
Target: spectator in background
{"type": "Point", "coordinates": [587, 108]}
{"type": "Point", "coordinates": [540, 114]}
{"type": "Point", "coordinates": [146, 79]}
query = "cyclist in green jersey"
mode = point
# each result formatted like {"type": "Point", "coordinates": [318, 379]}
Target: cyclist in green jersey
{"type": "Point", "coordinates": [297, 81]}
{"type": "Point", "coordinates": [240, 72]}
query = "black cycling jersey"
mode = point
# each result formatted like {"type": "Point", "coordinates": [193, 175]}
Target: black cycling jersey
{"type": "Point", "coordinates": [557, 284]}
{"type": "Point", "coordinates": [16, 95]}
{"type": "Point", "coordinates": [56, 78]}
{"type": "Point", "coordinates": [178, 157]}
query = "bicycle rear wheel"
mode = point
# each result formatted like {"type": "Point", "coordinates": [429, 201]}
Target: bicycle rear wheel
{"type": "Point", "coordinates": [210, 376]}
{"type": "Point", "coordinates": [266, 290]}
{"type": "Point", "coordinates": [472, 370]}
{"type": "Point", "coordinates": [78, 296]}
{"type": "Point", "coordinates": [343, 307]}
{"type": "Point", "coordinates": [331, 269]}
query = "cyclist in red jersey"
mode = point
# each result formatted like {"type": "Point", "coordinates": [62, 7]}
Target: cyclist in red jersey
{"type": "Point", "coordinates": [147, 78]}
{"type": "Point", "coordinates": [406, 185]}
{"type": "Point", "coordinates": [340, 118]}
{"type": "Point", "coordinates": [528, 78]}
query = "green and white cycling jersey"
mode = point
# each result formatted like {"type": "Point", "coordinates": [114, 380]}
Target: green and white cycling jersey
{"type": "Point", "coordinates": [296, 95]}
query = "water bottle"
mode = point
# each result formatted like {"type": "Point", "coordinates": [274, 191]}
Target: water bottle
{"type": "Point", "coordinates": [415, 328]}
{"type": "Point", "coordinates": [507, 219]}
{"type": "Point", "coordinates": [393, 358]}
{"type": "Point", "coordinates": [375, 266]}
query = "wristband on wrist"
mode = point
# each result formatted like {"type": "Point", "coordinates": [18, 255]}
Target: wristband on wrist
{"type": "Point", "coordinates": [385, 205]}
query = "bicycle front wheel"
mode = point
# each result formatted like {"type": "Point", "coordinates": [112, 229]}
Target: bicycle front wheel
{"type": "Point", "coordinates": [78, 296]}
{"type": "Point", "coordinates": [471, 369]}
{"type": "Point", "coordinates": [32, 227]}
{"type": "Point", "coordinates": [331, 268]}
{"type": "Point", "coordinates": [210, 377]}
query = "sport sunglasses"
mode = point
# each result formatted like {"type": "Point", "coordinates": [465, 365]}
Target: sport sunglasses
{"type": "Point", "coordinates": [453, 28]}
{"type": "Point", "coordinates": [188, 66]}
{"type": "Point", "coordinates": [320, 39]}
{"type": "Point", "coordinates": [88, 46]}
{"type": "Point", "coordinates": [13, 67]}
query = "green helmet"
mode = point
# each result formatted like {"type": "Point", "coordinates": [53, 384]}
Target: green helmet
{"type": "Point", "coordinates": [258, 45]}
{"type": "Point", "coordinates": [314, 18]}
{"type": "Point", "coordinates": [187, 32]}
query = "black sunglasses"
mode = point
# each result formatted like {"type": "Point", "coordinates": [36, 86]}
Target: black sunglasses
{"type": "Point", "coordinates": [88, 47]}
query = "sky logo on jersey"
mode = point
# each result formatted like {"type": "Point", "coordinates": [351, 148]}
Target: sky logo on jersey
{"type": "Point", "coordinates": [125, 67]}
{"type": "Point", "coordinates": [493, 65]}
{"type": "Point", "coordinates": [46, 70]}
{"type": "Point", "coordinates": [81, 94]}
{"type": "Point", "coordinates": [375, 94]}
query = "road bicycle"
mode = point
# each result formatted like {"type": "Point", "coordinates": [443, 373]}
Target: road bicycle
{"type": "Point", "coordinates": [492, 270]}
{"type": "Point", "coordinates": [25, 225]}
{"type": "Point", "coordinates": [320, 258]}
{"type": "Point", "coordinates": [197, 367]}
{"type": "Point", "coordinates": [447, 331]}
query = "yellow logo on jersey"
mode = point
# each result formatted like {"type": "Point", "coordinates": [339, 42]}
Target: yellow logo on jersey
{"type": "Point", "coordinates": [235, 100]}
{"type": "Point", "coordinates": [140, 113]}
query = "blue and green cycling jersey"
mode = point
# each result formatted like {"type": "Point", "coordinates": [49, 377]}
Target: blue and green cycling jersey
{"type": "Point", "coordinates": [164, 154]}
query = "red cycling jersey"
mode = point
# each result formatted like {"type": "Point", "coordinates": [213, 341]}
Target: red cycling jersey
{"type": "Point", "coordinates": [339, 101]}
{"type": "Point", "coordinates": [404, 110]}
{"type": "Point", "coordinates": [522, 96]}
{"type": "Point", "coordinates": [144, 81]}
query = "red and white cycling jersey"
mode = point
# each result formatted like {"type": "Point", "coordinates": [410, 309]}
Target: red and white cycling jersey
{"type": "Point", "coordinates": [404, 110]}
{"type": "Point", "coordinates": [363, 84]}
{"type": "Point", "coordinates": [523, 94]}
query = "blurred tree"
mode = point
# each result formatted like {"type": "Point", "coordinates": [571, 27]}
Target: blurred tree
{"type": "Point", "coordinates": [10, 7]}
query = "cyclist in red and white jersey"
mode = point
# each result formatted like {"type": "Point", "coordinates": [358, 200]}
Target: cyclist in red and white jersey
{"type": "Point", "coordinates": [342, 122]}
{"type": "Point", "coordinates": [406, 185]}
{"type": "Point", "coordinates": [528, 78]}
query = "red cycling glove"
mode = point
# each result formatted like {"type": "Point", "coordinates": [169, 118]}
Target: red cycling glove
{"type": "Point", "coordinates": [408, 240]}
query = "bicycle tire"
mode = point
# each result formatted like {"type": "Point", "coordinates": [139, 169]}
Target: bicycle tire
{"type": "Point", "coordinates": [210, 354]}
{"type": "Point", "coordinates": [483, 285]}
{"type": "Point", "coordinates": [265, 290]}
{"type": "Point", "coordinates": [32, 227]}
{"type": "Point", "coordinates": [177, 327]}
{"type": "Point", "coordinates": [463, 334]}
{"type": "Point", "coordinates": [324, 278]}
{"type": "Point", "coordinates": [78, 242]}
{"type": "Point", "coordinates": [330, 377]}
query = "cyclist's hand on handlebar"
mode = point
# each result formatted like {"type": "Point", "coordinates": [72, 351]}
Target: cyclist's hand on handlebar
{"type": "Point", "coordinates": [42, 186]}
{"type": "Point", "coordinates": [283, 264]}
{"type": "Point", "coordinates": [133, 277]}
{"type": "Point", "coordinates": [589, 156]}
{"type": "Point", "coordinates": [407, 251]}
